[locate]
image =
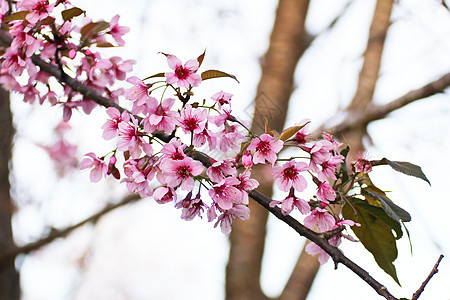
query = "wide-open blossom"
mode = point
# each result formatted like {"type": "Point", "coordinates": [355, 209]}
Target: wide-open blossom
{"type": "Point", "coordinates": [288, 175]}
{"type": "Point", "coordinates": [327, 168]}
{"type": "Point", "coordinates": [203, 137]}
{"type": "Point", "coordinates": [99, 167]}
{"type": "Point", "coordinates": [247, 184]}
{"type": "Point", "coordinates": [320, 220]}
{"type": "Point", "coordinates": [221, 169]}
{"type": "Point", "coordinates": [117, 31]}
{"type": "Point", "coordinates": [191, 120]}
{"type": "Point", "coordinates": [39, 9]}
{"type": "Point", "coordinates": [230, 138]}
{"type": "Point", "coordinates": [266, 149]}
{"type": "Point", "coordinates": [180, 172]}
{"type": "Point", "coordinates": [138, 93]}
{"type": "Point", "coordinates": [131, 139]}
{"type": "Point", "coordinates": [183, 76]}
{"type": "Point", "coordinates": [159, 116]}
{"type": "Point", "coordinates": [139, 173]}
{"type": "Point", "coordinates": [174, 150]}
{"type": "Point", "coordinates": [225, 193]}
{"type": "Point", "coordinates": [111, 127]}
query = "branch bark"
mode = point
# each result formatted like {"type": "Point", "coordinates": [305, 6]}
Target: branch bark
{"type": "Point", "coordinates": [9, 277]}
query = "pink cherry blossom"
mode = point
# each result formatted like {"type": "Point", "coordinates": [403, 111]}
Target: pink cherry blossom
{"type": "Point", "coordinates": [117, 31]}
{"type": "Point", "coordinates": [320, 220]}
{"type": "Point", "coordinates": [288, 175]}
{"type": "Point", "coordinates": [131, 139]}
{"type": "Point", "coordinates": [39, 9]}
{"type": "Point", "coordinates": [160, 117]}
{"type": "Point", "coordinates": [221, 169]}
{"type": "Point", "coordinates": [180, 172]}
{"type": "Point", "coordinates": [302, 136]}
{"type": "Point", "coordinates": [222, 98]}
{"type": "Point", "coordinates": [247, 184]}
{"type": "Point", "coordinates": [230, 138]}
{"type": "Point", "coordinates": [111, 127]}
{"type": "Point", "coordinates": [174, 150]}
{"type": "Point", "coordinates": [326, 192]}
{"type": "Point", "coordinates": [138, 94]}
{"type": "Point", "coordinates": [99, 167]}
{"type": "Point", "coordinates": [120, 67]}
{"type": "Point", "coordinates": [247, 159]}
{"type": "Point", "coordinates": [266, 149]}
{"type": "Point", "coordinates": [164, 195]}
{"type": "Point", "coordinates": [191, 120]}
{"type": "Point", "coordinates": [139, 173]}
{"type": "Point", "coordinates": [363, 165]}
{"type": "Point", "coordinates": [183, 76]}
{"type": "Point", "coordinates": [191, 207]}
{"type": "Point", "coordinates": [328, 168]}
{"type": "Point", "coordinates": [203, 137]}
{"type": "Point", "coordinates": [225, 193]}
{"type": "Point", "coordinates": [290, 202]}
{"type": "Point", "coordinates": [239, 211]}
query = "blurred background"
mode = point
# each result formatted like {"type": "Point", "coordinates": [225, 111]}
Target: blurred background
{"type": "Point", "coordinates": [144, 250]}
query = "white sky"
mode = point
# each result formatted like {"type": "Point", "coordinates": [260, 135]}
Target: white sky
{"type": "Point", "coordinates": [145, 251]}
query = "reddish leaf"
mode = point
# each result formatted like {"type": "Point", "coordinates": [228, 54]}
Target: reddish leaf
{"type": "Point", "coordinates": [104, 44]}
{"type": "Point", "coordinates": [289, 132]}
{"type": "Point", "coordinates": [71, 13]}
{"type": "Point", "coordinates": [209, 74]}
{"type": "Point", "coordinates": [200, 58]}
{"type": "Point", "coordinates": [17, 16]}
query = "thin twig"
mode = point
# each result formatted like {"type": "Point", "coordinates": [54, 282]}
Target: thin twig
{"type": "Point", "coordinates": [416, 295]}
{"type": "Point", "coordinates": [9, 255]}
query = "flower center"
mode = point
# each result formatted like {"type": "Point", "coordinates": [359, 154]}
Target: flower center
{"type": "Point", "coordinates": [182, 73]}
{"type": "Point", "coordinates": [290, 173]}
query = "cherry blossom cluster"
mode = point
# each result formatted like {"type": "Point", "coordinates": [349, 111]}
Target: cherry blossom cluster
{"type": "Point", "coordinates": [165, 104]}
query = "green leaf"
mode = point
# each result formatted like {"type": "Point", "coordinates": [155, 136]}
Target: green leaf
{"type": "Point", "coordinates": [394, 211]}
{"type": "Point", "coordinates": [71, 13]}
{"type": "Point", "coordinates": [403, 167]}
{"type": "Point", "coordinates": [209, 74]}
{"type": "Point", "coordinates": [17, 16]}
{"type": "Point", "coordinates": [375, 232]}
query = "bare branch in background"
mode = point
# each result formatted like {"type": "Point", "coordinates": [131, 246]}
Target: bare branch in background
{"type": "Point", "coordinates": [417, 294]}
{"type": "Point", "coordinates": [9, 255]}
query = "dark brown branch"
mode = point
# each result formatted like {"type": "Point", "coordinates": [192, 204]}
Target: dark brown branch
{"type": "Point", "coordinates": [335, 253]}
{"type": "Point", "coordinates": [9, 255]}
{"type": "Point", "coordinates": [416, 295]}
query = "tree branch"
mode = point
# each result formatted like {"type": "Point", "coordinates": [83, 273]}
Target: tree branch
{"type": "Point", "coordinates": [416, 295]}
{"type": "Point", "coordinates": [10, 254]}
{"type": "Point", "coordinates": [377, 112]}
{"type": "Point", "coordinates": [335, 253]}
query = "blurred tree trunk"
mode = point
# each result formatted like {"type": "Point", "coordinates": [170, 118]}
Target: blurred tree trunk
{"type": "Point", "coordinates": [9, 277]}
{"type": "Point", "coordinates": [287, 44]}
{"type": "Point", "coordinates": [271, 102]}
